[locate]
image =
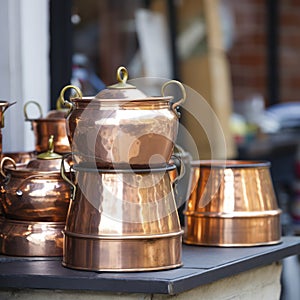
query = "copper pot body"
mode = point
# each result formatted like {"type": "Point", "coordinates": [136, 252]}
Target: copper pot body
{"type": "Point", "coordinates": [26, 238]}
{"type": "Point", "coordinates": [45, 127]}
{"type": "Point", "coordinates": [232, 203]}
{"type": "Point", "coordinates": [116, 132]}
{"type": "Point", "coordinates": [122, 220]}
{"type": "Point", "coordinates": [33, 195]}
{"type": "Point", "coordinates": [54, 124]}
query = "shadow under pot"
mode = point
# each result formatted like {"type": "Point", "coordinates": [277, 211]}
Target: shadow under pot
{"type": "Point", "coordinates": [121, 126]}
{"type": "Point", "coordinates": [34, 191]}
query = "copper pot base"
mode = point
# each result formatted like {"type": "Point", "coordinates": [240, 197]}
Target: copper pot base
{"type": "Point", "coordinates": [122, 253]}
{"type": "Point", "coordinates": [26, 238]}
{"type": "Point", "coordinates": [233, 231]}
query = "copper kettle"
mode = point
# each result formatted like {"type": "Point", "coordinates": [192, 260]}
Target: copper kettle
{"type": "Point", "coordinates": [35, 191]}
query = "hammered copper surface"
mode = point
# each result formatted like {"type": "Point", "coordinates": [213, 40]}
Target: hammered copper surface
{"type": "Point", "coordinates": [135, 130]}
{"type": "Point", "coordinates": [126, 220]}
{"type": "Point", "coordinates": [43, 128]}
{"type": "Point", "coordinates": [34, 194]}
{"type": "Point", "coordinates": [25, 238]}
{"type": "Point", "coordinates": [53, 124]}
{"type": "Point", "coordinates": [232, 203]}
{"type": "Point", "coordinates": [108, 202]}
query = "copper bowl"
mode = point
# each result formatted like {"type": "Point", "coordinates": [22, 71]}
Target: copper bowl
{"type": "Point", "coordinates": [232, 203]}
{"type": "Point", "coordinates": [26, 238]}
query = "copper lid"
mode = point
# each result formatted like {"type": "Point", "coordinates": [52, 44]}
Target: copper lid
{"type": "Point", "coordinates": [121, 90]}
{"type": "Point", "coordinates": [46, 161]}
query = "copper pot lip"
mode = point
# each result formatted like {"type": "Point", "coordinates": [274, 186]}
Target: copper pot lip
{"type": "Point", "coordinates": [21, 170]}
{"type": "Point", "coordinates": [86, 167]}
{"type": "Point", "coordinates": [48, 120]}
{"type": "Point", "coordinates": [4, 103]}
{"type": "Point", "coordinates": [232, 164]}
{"type": "Point", "coordinates": [88, 99]}
{"type": "Point", "coordinates": [234, 214]}
{"type": "Point", "coordinates": [123, 237]}
{"type": "Point", "coordinates": [6, 221]}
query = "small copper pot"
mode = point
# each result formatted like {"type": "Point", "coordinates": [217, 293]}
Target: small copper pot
{"type": "Point", "coordinates": [122, 220]}
{"type": "Point", "coordinates": [34, 191]}
{"type": "Point", "coordinates": [26, 238]}
{"type": "Point", "coordinates": [53, 124]}
{"type": "Point", "coordinates": [232, 203]}
{"type": "Point", "coordinates": [121, 125]}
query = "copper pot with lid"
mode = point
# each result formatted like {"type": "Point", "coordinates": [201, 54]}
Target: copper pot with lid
{"type": "Point", "coordinates": [123, 126]}
{"type": "Point", "coordinates": [35, 191]}
{"type": "Point", "coordinates": [54, 123]}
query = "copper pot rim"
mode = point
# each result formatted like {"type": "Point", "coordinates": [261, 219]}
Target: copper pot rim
{"type": "Point", "coordinates": [21, 171]}
{"type": "Point", "coordinates": [232, 164]}
{"type": "Point", "coordinates": [89, 167]}
{"type": "Point", "coordinates": [48, 120]}
{"type": "Point", "coordinates": [235, 214]}
{"type": "Point", "coordinates": [92, 99]}
{"type": "Point", "coordinates": [42, 224]}
{"type": "Point", "coordinates": [123, 237]}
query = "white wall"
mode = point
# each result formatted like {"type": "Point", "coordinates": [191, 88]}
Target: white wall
{"type": "Point", "coordinates": [24, 66]}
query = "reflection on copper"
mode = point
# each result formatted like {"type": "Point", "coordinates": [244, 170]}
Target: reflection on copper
{"type": "Point", "coordinates": [26, 238]}
{"type": "Point", "coordinates": [121, 214]}
{"type": "Point", "coordinates": [232, 203]}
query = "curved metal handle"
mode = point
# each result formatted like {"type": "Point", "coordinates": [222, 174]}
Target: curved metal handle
{"type": "Point", "coordinates": [65, 177]}
{"type": "Point", "coordinates": [68, 102]}
{"type": "Point", "coordinates": [180, 169]}
{"type": "Point", "coordinates": [2, 163]}
{"type": "Point", "coordinates": [181, 100]}
{"type": "Point", "coordinates": [25, 110]}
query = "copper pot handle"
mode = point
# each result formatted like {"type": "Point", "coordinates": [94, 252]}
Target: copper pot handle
{"type": "Point", "coordinates": [65, 177]}
{"type": "Point", "coordinates": [25, 110]}
{"type": "Point", "coordinates": [181, 100]}
{"type": "Point", "coordinates": [2, 163]}
{"type": "Point", "coordinates": [69, 102]}
{"type": "Point", "coordinates": [181, 170]}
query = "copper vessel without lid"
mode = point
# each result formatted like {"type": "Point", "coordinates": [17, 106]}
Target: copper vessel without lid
{"type": "Point", "coordinates": [122, 220]}
{"type": "Point", "coordinates": [121, 125]}
{"type": "Point", "coordinates": [232, 203]}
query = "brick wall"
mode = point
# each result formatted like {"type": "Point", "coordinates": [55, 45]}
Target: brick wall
{"type": "Point", "coordinates": [248, 54]}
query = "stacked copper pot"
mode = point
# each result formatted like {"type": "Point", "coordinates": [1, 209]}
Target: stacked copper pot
{"type": "Point", "coordinates": [123, 215]}
{"type": "Point", "coordinates": [34, 201]}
